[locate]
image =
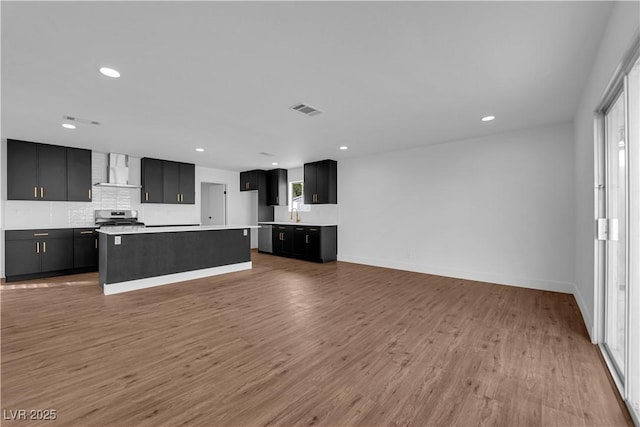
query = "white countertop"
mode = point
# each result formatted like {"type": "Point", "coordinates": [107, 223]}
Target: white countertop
{"type": "Point", "coordinates": [175, 229]}
{"type": "Point", "coordinates": [303, 224]}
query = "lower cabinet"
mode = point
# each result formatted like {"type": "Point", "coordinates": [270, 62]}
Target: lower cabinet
{"type": "Point", "coordinates": [282, 240]}
{"type": "Point", "coordinates": [85, 248]}
{"type": "Point", "coordinates": [41, 253]}
{"type": "Point", "coordinates": [311, 243]}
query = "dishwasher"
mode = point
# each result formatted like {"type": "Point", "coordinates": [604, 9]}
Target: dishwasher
{"type": "Point", "coordinates": [264, 238]}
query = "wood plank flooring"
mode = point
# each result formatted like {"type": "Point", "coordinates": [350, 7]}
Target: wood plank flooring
{"type": "Point", "coordinates": [296, 343]}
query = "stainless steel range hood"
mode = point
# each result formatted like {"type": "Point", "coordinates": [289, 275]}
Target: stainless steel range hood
{"type": "Point", "coordinates": [118, 172]}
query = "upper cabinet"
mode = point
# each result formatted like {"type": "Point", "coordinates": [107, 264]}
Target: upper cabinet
{"type": "Point", "coordinates": [250, 180]}
{"type": "Point", "coordinates": [277, 187]}
{"type": "Point", "coordinates": [321, 182]}
{"type": "Point", "coordinates": [78, 175]}
{"type": "Point", "coordinates": [164, 181]}
{"type": "Point", "coordinates": [47, 172]}
{"type": "Point", "coordinates": [151, 180]}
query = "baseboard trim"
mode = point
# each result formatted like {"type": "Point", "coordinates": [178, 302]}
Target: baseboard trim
{"type": "Point", "coordinates": [134, 285]}
{"type": "Point", "coordinates": [520, 282]}
{"type": "Point", "coordinates": [586, 316]}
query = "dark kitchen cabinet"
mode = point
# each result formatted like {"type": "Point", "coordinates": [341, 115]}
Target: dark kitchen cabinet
{"type": "Point", "coordinates": [85, 248]}
{"type": "Point", "coordinates": [321, 182]}
{"type": "Point", "coordinates": [78, 175]}
{"type": "Point", "coordinates": [277, 187]}
{"type": "Point", "coordinates": [250, 180]}
{"type": "Point", "coordinates": [36, 171]}
{"type": "Point", "coordinates": [171, 182]}
{"type": "Point", "coordinates": [151, 179]}
{"type": "Point", "coordinates": [282, 240]}
{"type": "Point", "coordinates": [316, 243]}
{"type": "Point", "coordinates": [164, 181]}
{"type": "Point", "coordinates": [30, 252]}
{"type": "Point", "coordinates": [187, 183]}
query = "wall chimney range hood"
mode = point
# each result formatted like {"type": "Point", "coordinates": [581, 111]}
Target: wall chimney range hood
{"type": "Point", "coordinates": [118, 172]}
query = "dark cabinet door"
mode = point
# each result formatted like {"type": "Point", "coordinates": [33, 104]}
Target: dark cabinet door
{"type": "Point", "coordinates": [322, 181]}
{"type": "Point", "coordinates": [22, 171]}
{"type": "Point", "coordinates": [85, 251]}
{"type": "Point", "coordinates": [300, 242]}
{"type": "Point", "coordinates": [57, 254]}
{"type": "Point", "coordinates": [310, 183]}
{"type": "Point", "coordinates": [151, 170]}
{"type": "Point", "coordinates": [244, 181]}
{"type": "Point", "coordinates": [282, 240]}
{"type": "Point", "coordinates": [22, 257]}
{"type": "Point", "coordinates": [277, 194]}
{"type": "Point", "coordinates": [78, 175]}
{"type": "Point", "coordinates": [187, 183]}
{"type": "Point", "coordinates": [313, 242]}
{"type": "Point", "coordinates": [171, 182]}
{"type": "Point", "coordinates": [52, 172]}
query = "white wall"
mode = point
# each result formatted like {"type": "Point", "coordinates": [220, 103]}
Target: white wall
{"type": "Point", "coordinates": [39, 214]}
{"type": "Point", "coordinates": [496, 209]}
{"type": "Point", "coordinates": [623, 23]}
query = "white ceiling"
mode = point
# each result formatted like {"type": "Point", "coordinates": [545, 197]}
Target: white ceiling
{"type": "Point", "coordinates": [222, 75]}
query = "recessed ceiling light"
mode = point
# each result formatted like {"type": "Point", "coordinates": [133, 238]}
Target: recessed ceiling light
{"type": "Point", "coordinates": [488, 118]}
{"type": "Point", "coordinates": [199, 150]}
{"type": "Point", "coordinates": [68, 126]}
{"type": "Point", "coordinates": [110, 72]}
{"type": "Point", "coordinates": [344, 147]}
{"type": "Point", "coordinates": [274, 164]}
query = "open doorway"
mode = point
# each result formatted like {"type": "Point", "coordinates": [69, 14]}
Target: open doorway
{"type": "Point", "coordinates": [213, 204]}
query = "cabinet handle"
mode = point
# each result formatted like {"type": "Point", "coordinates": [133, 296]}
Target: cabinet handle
{"type": "Point", "coordinates": [87, 232]}
{"type": "Point", "coordinates": [44, 247]}
{"type": "Point", "coordinates": [35, 192]}
{"type": "Point", "coordinates": [182, 197]}
{"type": "Point", "coordinates": [37, 247]}
{"type": "Point", "coordinates": [306, 238]}
{"type": "Point", "coordinates": [146, 196]}
{"type": "Point", "coordinates": [42, 192]}
{"type": "Point", "coordinates": [96, 243]}
{"type": "Point", "coordinates": [40, 234]}
{"type": "Point", "coordinates": [178, 197]}
{"type": "Point", "coordinates": [313, 229]}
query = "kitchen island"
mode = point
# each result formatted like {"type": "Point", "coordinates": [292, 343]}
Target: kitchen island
{"type": "Point", "coordinates": [134, 258]}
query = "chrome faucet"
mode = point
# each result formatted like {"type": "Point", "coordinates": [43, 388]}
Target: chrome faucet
{"type": "Point", "coordinates": [297, 215]}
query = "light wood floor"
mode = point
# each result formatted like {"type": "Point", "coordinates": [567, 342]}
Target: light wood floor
{"type": "Point", "coordinates": [296, 343]}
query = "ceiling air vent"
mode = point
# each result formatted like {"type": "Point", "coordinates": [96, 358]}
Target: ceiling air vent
{"type": "Point", "coordinates": [79, 120]}
{"type": "Point", "coordinates": [306, 109]}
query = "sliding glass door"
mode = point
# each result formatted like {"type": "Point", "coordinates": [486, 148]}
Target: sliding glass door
{"type": "Point", "coordinates": [616, 204]}
{"type": "Point", "coordinates": [618, 228]}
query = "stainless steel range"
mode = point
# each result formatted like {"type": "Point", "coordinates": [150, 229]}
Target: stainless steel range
{"type": "Point", "coordinates": [117, 218]}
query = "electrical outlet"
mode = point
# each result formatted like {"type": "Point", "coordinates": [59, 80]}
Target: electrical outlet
{"type": "Point", "coordinates": [117, 240]}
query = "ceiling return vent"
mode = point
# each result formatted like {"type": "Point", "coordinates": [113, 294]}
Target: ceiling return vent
{"type": "Point", "coordinates": [79, 120]}
{"type": "Point", "coordinates": [306, 109]}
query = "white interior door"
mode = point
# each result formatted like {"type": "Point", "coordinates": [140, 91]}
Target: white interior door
{"type": "Point", "coordinates": [213, 204]}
